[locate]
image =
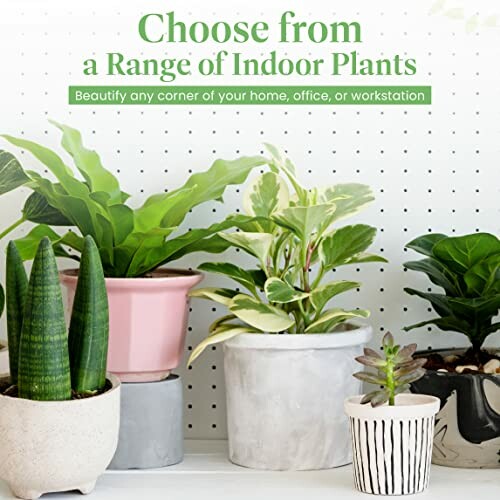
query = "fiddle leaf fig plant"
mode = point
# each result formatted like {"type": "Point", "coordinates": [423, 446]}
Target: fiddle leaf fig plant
{"type": "Point", "coordinates": [395, 371]}
{"type": "Point", "coordinates": [294, 232]}
{"type": "Point", "coordinates": [131, 242]}
{"type": "Point", "coordinates": [467, 268]}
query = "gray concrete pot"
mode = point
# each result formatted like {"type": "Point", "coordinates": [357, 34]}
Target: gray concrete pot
{"type": "Point", "coordinates": [285, 397]}
{"type": "Point", "coordinates": [151, 429]}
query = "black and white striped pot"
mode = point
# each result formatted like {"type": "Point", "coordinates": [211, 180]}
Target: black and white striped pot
{"type": "Point", "coordinates": [392, 445]}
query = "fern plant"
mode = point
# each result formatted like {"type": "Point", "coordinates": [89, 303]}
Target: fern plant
{"type": "Point", "coordinates": [49, 368]}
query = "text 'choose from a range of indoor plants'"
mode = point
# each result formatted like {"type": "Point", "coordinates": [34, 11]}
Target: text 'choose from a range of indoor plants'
{"type": "Point", "coordinates": [286, 354]}
{"type": "Point", "coordinates": [70, 408]}
{"type": "Point", "coordinates": [467, 381]}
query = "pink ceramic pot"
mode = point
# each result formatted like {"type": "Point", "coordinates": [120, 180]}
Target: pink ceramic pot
{"type": "Point", "coordinates": [148, 319]}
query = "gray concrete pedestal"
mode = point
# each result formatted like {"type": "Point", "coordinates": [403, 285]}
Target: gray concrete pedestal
{"type": "Point", "coordinates": [151, 426]}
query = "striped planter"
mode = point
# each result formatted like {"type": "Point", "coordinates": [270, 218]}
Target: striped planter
{"type": "Point", "coordinates": [392, 445]}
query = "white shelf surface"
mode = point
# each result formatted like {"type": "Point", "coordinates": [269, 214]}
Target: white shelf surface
{"type": "Point", "coordinates": [207, 474]}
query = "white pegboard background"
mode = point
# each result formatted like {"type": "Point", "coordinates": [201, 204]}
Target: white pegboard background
{"type": "Point", "coordinates": [432, 168]}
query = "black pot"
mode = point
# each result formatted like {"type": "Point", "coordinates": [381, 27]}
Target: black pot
{"type": "Point", "coordinates": [467, 432]}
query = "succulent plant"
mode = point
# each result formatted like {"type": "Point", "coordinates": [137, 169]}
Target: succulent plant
{"type": "Point", "coordinates": [395, 371]}
{"type": "Point", "coordinates": [51, 368]}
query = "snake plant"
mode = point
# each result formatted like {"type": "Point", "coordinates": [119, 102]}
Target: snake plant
{"type": "Point", "coordinates": [52, 367]}
{"type": "Point", "coordinates": [17, 287]}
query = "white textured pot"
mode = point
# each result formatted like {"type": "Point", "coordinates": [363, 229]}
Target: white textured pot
{"type": "Point", "coordinates": [392, 445]}
{"type": "Point", "coordinates": [285, 395]}
{"type": "Point", "coordinates": [4, 358]}
{"type": "Point", "coordinates": [51, 446]}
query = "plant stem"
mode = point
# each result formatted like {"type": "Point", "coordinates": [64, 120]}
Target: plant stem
{"type": "Point", "coordinates": [12, 227]}
{"type": "Point", "coordinates": [390, 381]}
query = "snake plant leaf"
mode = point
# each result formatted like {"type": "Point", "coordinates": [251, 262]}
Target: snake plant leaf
{"type": "Point", "coordinates": [2, 300]}
{"type": "Point", "coordinates": [257, 314]}
{"type": "Point", "coordinates": [44, 373]}
{"type": "Point", "coordinates": [266, 195]}
{"type": "Point", "coordinates": [460, 253]}
{"type": "Point", "coordinates": [220, 295]}
{"type": "Point", "coordinates": [17, 288]}
{"type": "Point", "coordinates": [436, 272]}
{"type": "Point", "coordinates": [334, 317]}
{"type": "Point", "coordinates": [89, 326]}
{"type": "Point", "coordinates": [344, 244]}
{"type": "Point", "coordinates": [241, 276]}
{"type": "Point", "coordinates": [483, 278]}
{"type": "Point", "coordinates": [221, 334]}
{"type": "Point", "coordinates": [281, 292]}
{"type": "Point", "coordinates": [256, 244]}
{"type": "Point", "coordinates": [89, 164]}
{"type": "Point", "coordinates": [28, 245]}
{"type": "Point", "coordinates": [12, 174]}
{"type": "Point", "coordinates": [37, 209]}
{"type": "Point", "coordinates": [304, 221]}
{"type": "Point", "coordinates": [322, 294]}
{"type": "Point", "coordinates": [424, 244]}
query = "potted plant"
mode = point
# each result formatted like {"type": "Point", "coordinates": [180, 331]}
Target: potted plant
{"type": "Point", "coordinates": [391, 437]}
{"type": "Point", "coordinates": [467, 381]}
{"type": "Point", "coordinates": [4, 352]}
{"type": "Point", "coordinates": [148, 304]}
{"type": "Point", "coordinates": [60, 412]}
{"type": "Point", "coordinates": [285, 353]}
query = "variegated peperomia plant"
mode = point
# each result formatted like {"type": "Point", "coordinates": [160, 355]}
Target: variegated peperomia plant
{"type": "Point", "coordinates": [296, 245]}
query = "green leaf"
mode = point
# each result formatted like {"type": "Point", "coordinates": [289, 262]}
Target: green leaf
{"type": "Point", "coordinates": [122, 220]}
{"type": "Point", "coordinates": [11, 173]}
{"type": "Point", "coordinates": [460, 253]}
{"type": "Point", "coordinates": [279, 162]}
{"type": "Point", "coordinates": [479, 310]}
{"type": "Point", "coordinates": [89, 164]}
{"type": "Point", "coordinates": [220, 295]}
{"type": "Point", "coordinates": [262, 316]}
{"type": "Point", "coordinates": [279, 291]}
{"type": "Point", "coordinates": [484, 277]}
{"type": "Point", "coordinates": [439, 302]}
{"type": "Point", "coordinates": [341, 246]}
{"type": "Point", "coordinates": [2, 300]}
{"type": "Point", "coordinates": [424, 244]}
{"type": "Point", "coordinates": [256, 244]}
{"type": "Point", "coordinates": [303, 221]}
{"type": "Point", "coordinates": [37, 209]}
{"type": "Point", "coordinates": [223, 333]}
{"type": "Point", "coordinates": [449, 323]}
{"type": "Point", "coordinates": [232, 271]}
{"type": "Point", "coordinates": [363, 258]}
{"type": "Point", "coordinates": [349, 199]}
{"type": "Point", "coordinates": [321, 295]}
{"type": "Point", "coordinates": [436, 272]}
{"type": "Point", "coordinates": [267, 194]}
{"type": "Point", "coordinates": [170, 209]}
{"type": "Point", "coordinates": [28, 245]}
{"type": "Point", "coordinates": [332, 318]}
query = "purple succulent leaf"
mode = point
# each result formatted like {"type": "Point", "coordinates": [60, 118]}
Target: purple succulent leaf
{"type": "Point", "coordinates": [371, 353]}
{"type": "Point", "coordinates": [369, 377]}
{"type": "Point", "coordinates": [368, 397]}
{"type": "Point", "coordinates": [370, 361]}
{"type": "Point", "coordinates": [402, 388]}
{"type": "Point", "coordinates": [411, 377]}
{"type": "Point", "coordinates": [388, 340]}
{"type": "Point", "coordinates": [379, 399]}
{"type": "Point", "coordinates": [405, 353]}
{"type": "Point", "coordinates": [409, 367]}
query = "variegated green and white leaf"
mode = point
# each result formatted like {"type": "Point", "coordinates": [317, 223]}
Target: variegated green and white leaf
{"type": "Point", "coordinates": [304, 221]}
{"type": "Point", "coordinates": [241, 276]}
{"type": "Point", "coordinates": [333, 317]}
{"type": "Point", "coordinates": [281, 292]}
{"type": "Point", "coordinates": [256, 244]}
{"type": "Point", "coordinates": [349, 199]}
{"type": "Point", "coordinates": [219, 322]}
{"type": "Point", "coordinates": [223, 333]}
{"type": "Point", "coordinates": [321, 295]}
{"type": "Point", "coordinates": [267, 194]}
{"type": "Point", "coordinates": [220, 295]}
{"type": "Point", "coordinates": [259, 315]}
